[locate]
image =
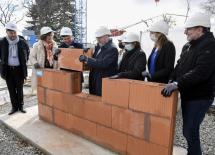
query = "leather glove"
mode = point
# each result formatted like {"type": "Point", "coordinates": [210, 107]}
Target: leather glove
{"type": "Point", "coordinates": [83, 58]}
{"type": "Point", "coordinates": [36, 66]}
{"type": "Point", "coordinates": [57, 51]}
{"type": "Point", "coordinates": [167, 91]}
{"type": "Point", "coordinates": [146, 74]}
{"type": "Point", "coordinates": [86, 50]}
{"type": "Point", "coordinates": [115, 77]}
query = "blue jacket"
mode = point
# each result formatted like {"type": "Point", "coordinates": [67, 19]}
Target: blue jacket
{"type": "Point", "coordinates": [102, 65]}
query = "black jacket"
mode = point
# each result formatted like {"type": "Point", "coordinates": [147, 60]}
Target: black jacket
{"type": "Point", "coordinates": [195, 69]}
{"type": "Point", "coordinates": [23, 54]}
{"type": "Point", "coordinates": [102, 65]}
{"type": "Point", "coordinates": [164, 63]}
{"type": "Point", "coordinates": [133, 64]}
{"type": "Point", "coordinates": [73, 44]}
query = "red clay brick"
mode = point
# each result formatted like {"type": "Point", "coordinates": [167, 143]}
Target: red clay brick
{"type": "Point", "coordinates": [62, 119]}
{"type": "Point", "coordinates": [69, 59]}
{"type": "Point", "coordinates": [58, 100]}
{"type": "Point", "coordinates": [41, 94]}
{"type": "Point", "coordinates": [83, 127]}
{"type": "Point", "coordinates": [146, 97]}
{"type": "Point", "coordinates": [64, 81]}
{"type": "Point", "coordinates": [160, 131]}
{"type": "Point", "coordinates": [128, 121]}
{"type": "Point", "coordinates": [140, 147]}
{"type": "Point", "coordinates": [112, 139]}
{"type": "Point", "coordinates": [93, 110]}
{"type": "Point", "coordinates": [115, 92]}
{"type": "Point", "coordinates": [45, 113]}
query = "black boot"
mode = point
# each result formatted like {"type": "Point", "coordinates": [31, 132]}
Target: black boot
{"type": "Point", "coordinates": [13, 110]}
{"type": "Point", "coordinates": [21, 109]}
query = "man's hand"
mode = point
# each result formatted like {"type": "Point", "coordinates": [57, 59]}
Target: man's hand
{"type": "Point", "coordinates": [167, 91]}
{"type": "Point", "coordinates": [83, 58]}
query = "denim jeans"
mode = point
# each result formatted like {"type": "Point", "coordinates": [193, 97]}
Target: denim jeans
{"type": "Point", "coordinates": [193, 113]}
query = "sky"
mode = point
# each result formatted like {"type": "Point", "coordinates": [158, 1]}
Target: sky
{"type": "Point", "coordinates": [121, 13]}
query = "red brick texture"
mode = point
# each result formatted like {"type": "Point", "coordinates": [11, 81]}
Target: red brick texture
{"type": "Point", "coordinates": [115, 92]}
{"type": "Point", "coordinates": [130, 118]}
{"type": "Point", "coordinates": [64, 81]}
{"type": "Point", "coordinates": [69, 59]}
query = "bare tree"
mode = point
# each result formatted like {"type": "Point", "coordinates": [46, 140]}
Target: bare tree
{"type": "Point", "coordinates": [209, 6]}
{"type": "Point", "coordinates": [8, 11]}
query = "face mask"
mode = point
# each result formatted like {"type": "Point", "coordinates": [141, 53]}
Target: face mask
{"type": "Point", "coordinates": [153, 37]}
{"type": "Point", "coordinates": [121, 45]}
{"type": "Point", "coordinates": [129, 47]}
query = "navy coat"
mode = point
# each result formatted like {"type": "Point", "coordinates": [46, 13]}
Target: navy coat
{"type": "Point", "coordinates": [103, 64]}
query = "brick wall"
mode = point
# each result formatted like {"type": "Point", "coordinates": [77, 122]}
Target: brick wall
{"type": "Point", "coordinates": [131, 117]}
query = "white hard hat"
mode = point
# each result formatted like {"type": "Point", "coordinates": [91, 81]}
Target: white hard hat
{"type": "Point", "coordinates": [131, 37]}
{"type": "Point", "coordinates": [198, 19]}
{"type": "Point", "coordinates": [11, 26]}
{"type": "Point", "coordinates": [65, 31]}
{"type": "Point", "coordinates": [160, 26]}
{"type": "Point", "coordinates": [102, 31]}
{"type": "Point", "coordinates": [45, 30]}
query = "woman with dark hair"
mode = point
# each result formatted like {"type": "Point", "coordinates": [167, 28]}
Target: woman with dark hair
{"type": "Point", "coordinates": [162, 58]}
{"type": "Point", "coordinates": [134, 59]}
{"type": "Point", "coordinates": [42, 54]}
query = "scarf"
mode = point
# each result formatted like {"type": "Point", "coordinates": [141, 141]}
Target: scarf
{"type": "Point", "coordinates": [49, 52]}
{"type": "Point", "coordinates": [13, 48]}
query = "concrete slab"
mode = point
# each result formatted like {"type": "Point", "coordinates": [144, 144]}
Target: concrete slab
{"type": "Point", "coordinates": [53, 140]}
{"type": "Point", "coordinates": [49, 138]}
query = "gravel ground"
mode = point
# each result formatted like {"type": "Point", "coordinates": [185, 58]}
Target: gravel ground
{"type": "Point", "coordinates": [207, 132]}
{"type": "Point", "coordinates": [10, 143]}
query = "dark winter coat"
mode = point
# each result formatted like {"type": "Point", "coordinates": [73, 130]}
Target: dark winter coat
{"type": "Point", "coordinates": [164, 63]}
{"type": "Point", "coordinates": [23, 54]}
{"type": "Point", "coordinates": [102, 65]}
{"type": "Point", "coordinates": [195, 69]}
{"type": "Point", "coordinates": [132, 65]}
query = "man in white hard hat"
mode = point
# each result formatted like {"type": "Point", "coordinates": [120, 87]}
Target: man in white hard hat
{"type": "Point", "coordinates": [68, 40]}
{"type": "Point", "coordinates": [104, 61]}
{"type": "Point", "coordinates": [14, 53]}
{"type": "Point", "coordinates": [193, 77]}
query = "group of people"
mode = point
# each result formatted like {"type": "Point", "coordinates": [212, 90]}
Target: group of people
{"type": "Point", "coordinates": [193, 76]}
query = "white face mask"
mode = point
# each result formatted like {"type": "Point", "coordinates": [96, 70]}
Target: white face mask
{"type": "Point", "coordinates": [153, 37]}
{"type": "Point", "coordinates": [129, 47]}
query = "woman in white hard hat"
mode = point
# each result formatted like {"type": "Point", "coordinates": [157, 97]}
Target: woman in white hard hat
{"type": "Point", "coordinates": [68, 40]}
{"type": "Point", "coordinates": [134, 59]}
{"type": "Point", "coordinates": [162, 58]}
{"type": "Point", "coordinates": [42, 54]}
